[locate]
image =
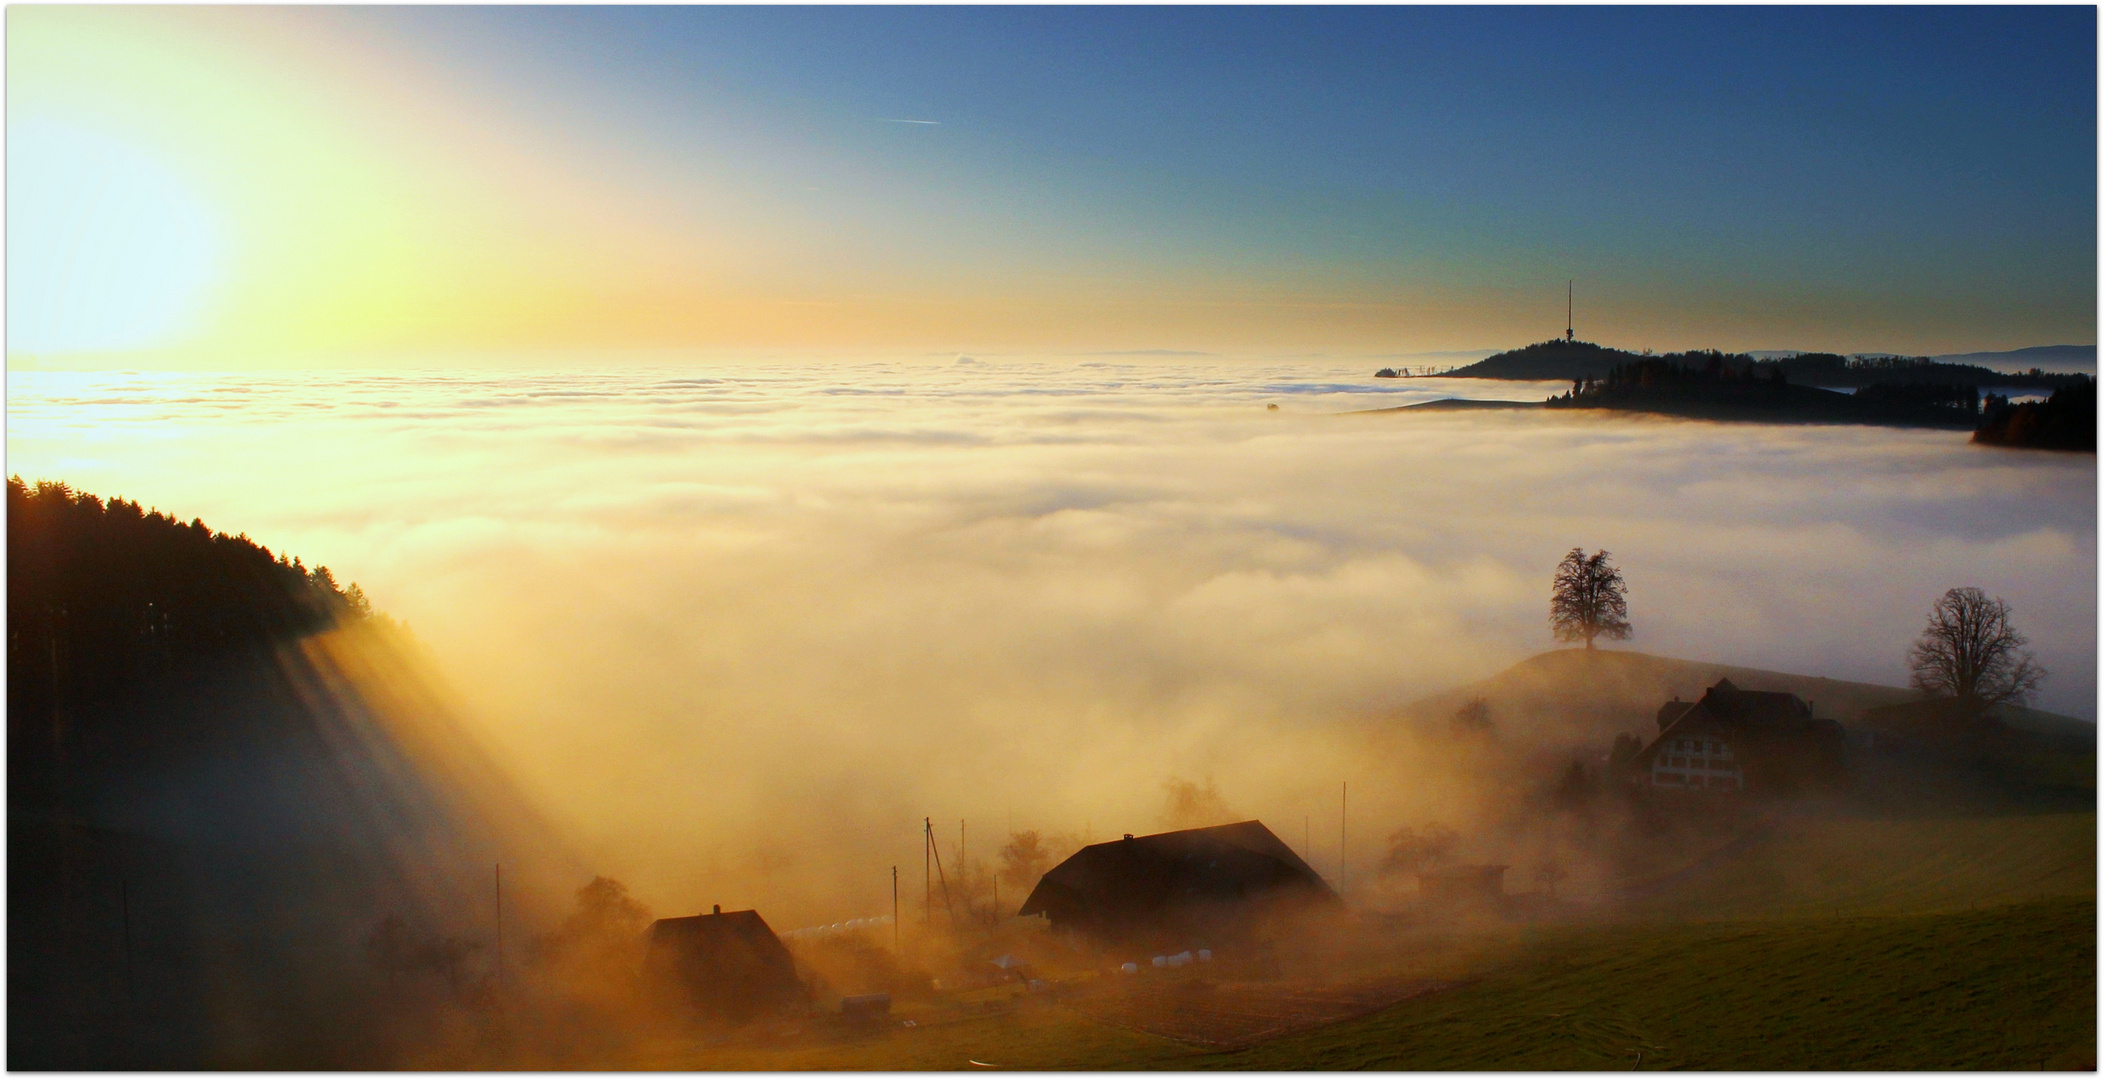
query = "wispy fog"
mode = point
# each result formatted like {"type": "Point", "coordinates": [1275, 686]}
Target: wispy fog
{"type": "Point", "coordinates": [740, 628]}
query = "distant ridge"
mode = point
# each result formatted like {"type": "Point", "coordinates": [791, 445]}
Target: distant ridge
{"type": "Point", "coordinates": [1574, 360]}
{"type": "Point", "coordinates": [2055, 358]}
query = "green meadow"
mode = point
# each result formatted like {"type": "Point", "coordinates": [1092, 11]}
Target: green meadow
{"type": "Point", "coordinates": [2009, 987]}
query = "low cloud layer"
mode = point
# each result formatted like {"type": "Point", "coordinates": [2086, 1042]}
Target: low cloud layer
{"type": "Point", "coordinates": [740, 629]}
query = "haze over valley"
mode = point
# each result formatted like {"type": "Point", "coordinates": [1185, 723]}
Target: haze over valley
{"type": "Point", "coordinates": [771, 615]}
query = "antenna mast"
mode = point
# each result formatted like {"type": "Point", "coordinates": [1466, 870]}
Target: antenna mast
{"type": "Point", "coordinates": [1570, 293]}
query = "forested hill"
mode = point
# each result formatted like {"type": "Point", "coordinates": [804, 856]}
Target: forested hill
{"type": "Point", "coordinates": [1545, 360]}
{"type": "Point", "coordinates": [1577, 360]}
{"type": "Point", "coordinates": [224, 770]}
{"type": "Point", "coordinates": [115, 614]}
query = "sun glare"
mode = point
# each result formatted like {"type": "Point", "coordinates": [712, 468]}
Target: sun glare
{"type": "Point", "coordinates": [106, 248]}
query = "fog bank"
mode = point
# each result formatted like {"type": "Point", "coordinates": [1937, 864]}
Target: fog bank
{"type": "Point", "coordinates": [738, 630]}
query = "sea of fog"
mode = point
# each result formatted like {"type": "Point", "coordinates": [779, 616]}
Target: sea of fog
{"type": "Point", "coordinates": [741, 627]}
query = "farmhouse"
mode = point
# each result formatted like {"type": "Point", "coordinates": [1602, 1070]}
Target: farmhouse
{"type": "Point", "coordinates": [726, 964]}
{"type": "Point", "coordinates": [1741, 740]}
{"type": "Point", "coordinates": [1216, 883]}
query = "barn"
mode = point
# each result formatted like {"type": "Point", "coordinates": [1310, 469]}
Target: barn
{"type": "Point", "coordinates": [725, 965]}
{"type": "Point", "coordinates": [1734, 740]}
{"type": "Point", "coordinates": [1218, 884]}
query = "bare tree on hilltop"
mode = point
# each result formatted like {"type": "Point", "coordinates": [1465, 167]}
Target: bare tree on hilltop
{"type": "Point", "coordinates": [1587, 601]}
{"type": "Point", "coordinates": [1970, 651]}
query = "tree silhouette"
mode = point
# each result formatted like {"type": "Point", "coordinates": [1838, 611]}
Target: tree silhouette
{"type": "Point", "coordinates": [1623, 755]}
{"type": "Point", "coordinates": [1473, 718]}
{"type": "Point", "coordinates": [1023, 860]}
{"type": "Point", "coordinates": [1587, 599]}
{"type": "Point", "coordinates": [122, 626]}
{"type": "Point", "coordinates": [1411, 850]}
{"type": "Point", "coordinates": [1969, 650]}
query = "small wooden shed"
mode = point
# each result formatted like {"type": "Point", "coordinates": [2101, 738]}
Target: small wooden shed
{"type": "Point", "coordinates": [726, 964]}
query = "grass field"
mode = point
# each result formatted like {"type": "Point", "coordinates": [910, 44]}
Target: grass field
{"type": "Point", "coordinates": [2010, 987]}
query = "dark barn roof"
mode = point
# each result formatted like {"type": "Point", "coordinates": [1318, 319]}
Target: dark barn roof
{"type": "Point", "coordinates": [729, 963]}
{"type": "Point", "coordinates": [1145, 885]}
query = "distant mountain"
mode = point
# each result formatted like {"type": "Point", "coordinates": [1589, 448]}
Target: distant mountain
{"type": "Point", "coordinates": [2056, 358]}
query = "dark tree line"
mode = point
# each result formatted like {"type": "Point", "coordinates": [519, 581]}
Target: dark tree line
{"type": "Point", "coordinates": [1735, 384]}
{"type": "Point", "coordinates": [1922, 395]}
{"type": "Point", "coordinates": [2065, 421]}
{"type": "Point", "coordinates": [113, 612]}
{"type": "Point", "coordinates": [1582, 360]}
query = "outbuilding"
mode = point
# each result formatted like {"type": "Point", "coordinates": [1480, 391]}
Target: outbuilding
{"type": "Point", "coordinates": [726, 965]}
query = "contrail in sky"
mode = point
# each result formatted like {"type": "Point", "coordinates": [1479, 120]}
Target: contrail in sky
{"type": "Point", "coordinates": [886, 120]}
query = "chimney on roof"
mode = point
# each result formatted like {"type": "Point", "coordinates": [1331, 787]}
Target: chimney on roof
{"type": "Point", "coordinates": [718, 909]}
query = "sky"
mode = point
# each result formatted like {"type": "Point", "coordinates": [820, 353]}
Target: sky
{"type": "Point", "coordinates": [323, 187]}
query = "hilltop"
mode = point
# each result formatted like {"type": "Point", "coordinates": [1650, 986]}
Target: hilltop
{"type": "Point", "coordinates": [1546, 360]}
{"type": "Point", "coordinates": [1581, 695]}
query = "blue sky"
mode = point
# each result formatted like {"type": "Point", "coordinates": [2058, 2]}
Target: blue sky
{"type": "Point", "coordinates": [1919, 179]}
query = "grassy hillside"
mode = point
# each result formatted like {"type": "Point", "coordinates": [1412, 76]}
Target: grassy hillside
{"type": "Point", "coordinates": [2006, 988]}
{"type": "Point", "coordinates": [1594, 694]}
{"type": "Point", "coordinates": [1830, 866]}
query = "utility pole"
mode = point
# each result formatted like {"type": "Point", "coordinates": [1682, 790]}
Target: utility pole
{"type": "Point", "coordinates": [500, 926]}
{"type": "Point", "coordinates": [936, 854]}
{"type": "Point", "coordinates": [1344, 801]}
{"type": "Point", "coordinates": [1570, 292]}
{"type": "Point", "coordinates": [895, 910]}
{"type": "Point", "coordinates": [927, 872]}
